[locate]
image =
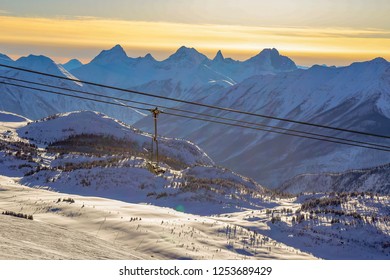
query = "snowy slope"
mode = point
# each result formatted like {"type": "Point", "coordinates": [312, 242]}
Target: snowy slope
{"type": "Point", "coordinates": [11, 117]}
{"type": "Point", "coordinates": [63, 126]}
{"type": "Point", "coordinates": [375, 180]}
{"type": "Point", "coordinates": [30, 240]}
{"type": "Point", "coordinates": [198, 195]}
{"type": "Point", "coordinates": [98, 228]}
{"type": "Point", "coordinates": [336, 226]}
{"type": "Point", "coordinates": [353, 97]}
{"type": "Point", "coordinates": [88, 153]}
{"type": "Point", "coordinates": [246, 222]}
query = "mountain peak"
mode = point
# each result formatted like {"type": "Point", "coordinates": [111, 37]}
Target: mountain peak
{"type": "Point", "coordinates": [43, 64]}
{"type": "Point", "coordinates": [270, 59]}
{"type": "Point", "coordinates": [268, 53]}
{"type": "Point", "coordinates": [115, 54]}
{"type": "Point", "coordinates": [375, 63]}
{"type": "Point", "coordinates": [218, 57]}
{"type": "Point", "coordinates": [379, 60]}
{"type": "Point", "coordinates": [187, 55]}
{"type": "Point", "coordinates": [72, 64]}
{"type": "Point", "coordinates": [149, 57]}
{"type": "Point", "coordinates": [35, 61]}
{"type": "Point", "coordinates": [272, 51]}
{"type": "Point", "coordinates": [117, 48]}
{"type": "Point", "coordinates": [184, 51]}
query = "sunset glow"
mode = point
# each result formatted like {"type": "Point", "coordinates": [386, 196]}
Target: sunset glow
{"type": "Point", "coordinates": [82, 37]}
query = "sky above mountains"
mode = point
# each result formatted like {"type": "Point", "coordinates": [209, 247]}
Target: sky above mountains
{"type": "Point", "coordinates": [310, 32]}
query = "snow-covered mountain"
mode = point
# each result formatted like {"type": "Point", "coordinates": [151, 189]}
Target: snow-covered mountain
{"type": "Point", "coordinates": [62, 127]}
{"type": "Point", "coordinates": [186, 74]}
{"type": "Point", "coordinates": [353, 97]}
{"type": "Point", "coordinates": [374, 180]}
{"type": "Point", "coordinates": [72, 64]}
{"type": "Point", "coordinates": [186, 67]}
{"type": "Point", "coordinates": [36, 104]}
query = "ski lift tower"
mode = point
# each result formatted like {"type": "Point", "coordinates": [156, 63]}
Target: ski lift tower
{"type": "Point", "coordinates": [154, 164]}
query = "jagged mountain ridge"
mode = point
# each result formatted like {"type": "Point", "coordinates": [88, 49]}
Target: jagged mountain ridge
{"type": "Point", "coordinates": [130, 72]}
{"type": "Point", "coordinates": [186, 74]}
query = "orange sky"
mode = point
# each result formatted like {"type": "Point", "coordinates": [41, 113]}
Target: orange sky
{"type": "Point", "coordinates": [63, 38]}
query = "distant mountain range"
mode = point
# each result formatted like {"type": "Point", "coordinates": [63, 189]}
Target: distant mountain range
{"type": "Point", "coordinates": [185, 74]}
{"type": "Point", "coordinates": [186, 68]}
{"type": "Point", "coordinates": [373, 180]}
{"type": "Point", "coordinates": [354, 97]}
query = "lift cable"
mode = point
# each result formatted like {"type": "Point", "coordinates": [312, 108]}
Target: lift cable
{"type": "Point", "coordinates": [202, 114]}
{"type": "Point", "coordinates": [366, 145]}
{"type": "Point", "coordinates": [226, 109]}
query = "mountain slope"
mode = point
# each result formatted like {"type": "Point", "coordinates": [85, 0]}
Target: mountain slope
{"type": "Point", "coordinates": [374, 180]}
{"type": "Point", "coordinates": [353, 97]}
{"type": "Point", "coordinates": [36, 104]}
{"type": "Point", "coordinates": [87, 153]}
{"type": "Point", "coordinates": [11, 117]}
{"type": "Point", "coordinates": [240, 219]}
{"type": "Point", "coordinates": [99, 228]}
{"type": "Point", "coordinates": [29, 240]}
{"type": "Point", "coordinates": [6, 60]}
{"type": "Point", "coordinates": [62, 127]}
